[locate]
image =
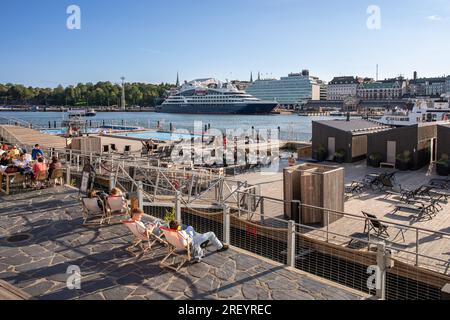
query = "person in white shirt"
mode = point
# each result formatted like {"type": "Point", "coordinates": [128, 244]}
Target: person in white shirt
{"type": "Point", "coordinates": [23, 164]}
{"type": "Point", "coordinates": [199, 241]}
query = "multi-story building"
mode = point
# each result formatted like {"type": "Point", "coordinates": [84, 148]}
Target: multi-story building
{"type": "Point", "coordinates": [447, 85]}
{"type": "Point", "coordinates": [433, 87]}
{"type": "Point", "coordinates": [383, 90]}
{"type": "Point", "coordinates": [294, 90]}
{"type": "Point", "coordinates": [323, 90]}
{"type": "Point", "coordinates": [341, 88]}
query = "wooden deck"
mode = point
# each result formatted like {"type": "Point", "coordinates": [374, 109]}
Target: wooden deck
{"type": "Point", "coordinates": [340, 232]}
{"type": "Point", "coordinates": [30, 137]}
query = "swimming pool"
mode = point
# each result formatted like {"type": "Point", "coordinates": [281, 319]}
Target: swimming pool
{"type": "Point", "coordinates": [163, 136]}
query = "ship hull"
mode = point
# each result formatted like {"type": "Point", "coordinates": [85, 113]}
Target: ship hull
{"type": "Point", "coordinates": [242, 108]}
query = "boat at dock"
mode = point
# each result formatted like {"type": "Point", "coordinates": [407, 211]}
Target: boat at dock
{"type": "Point", "coordinates": [81, 113]}
{"type": "Point", "coordinates": [210, 96]}
{"type": "Point", "coordinates": [424, 110]}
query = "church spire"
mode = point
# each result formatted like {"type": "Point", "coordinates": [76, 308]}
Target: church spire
{"type": "Point", "coordinates": [178, 80]}
{"type": "Point", "coordinates": [251, 76]}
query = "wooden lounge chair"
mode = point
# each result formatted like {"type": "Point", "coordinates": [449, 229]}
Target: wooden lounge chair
{"type": "Point", "coordinates": [357, 187]}
{"type": "Point", "coordinates": [94, 212]}
{"type": "Point", "coordinates": [373, 224]}
{"type": "Point", "coordinates": [116, 206]}
{"type": "Point", "coordinates": [41, 180]}
{"type": "Point", "coordinates": [417, 207]}
{"type": "Point", "coordinates": [143, 237]}
{"type": "Point", "coordinates": [179, 246]}
{"type": "Point", "coordinates": [57, 177]}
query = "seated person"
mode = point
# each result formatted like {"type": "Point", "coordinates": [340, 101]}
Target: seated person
{"type": "Point", "coordinates": [54, 166]}
{"type": "Point", "coordinates": [14, 153]}
{"type": "Point", "coordinates": [37, 152]}
{"type": "Point", "coordinates": [117, 193]}
{"type": "Point", "coordinates": [292, 161]}
{"type": "Point", "coordinates": [136, 216]}
{"type": "Point", "coordinates": [199, 241]}
{"type": "Point", "coordinates": [23, 164]}
{"type": "Point", "coordinates": [38, 167]}
{"type": "Point", "coordinates": [27, 156]}
{"type": "Point", "coordinates": [94, 194]}
{"type": "Point", "coordinates": [5, 161]}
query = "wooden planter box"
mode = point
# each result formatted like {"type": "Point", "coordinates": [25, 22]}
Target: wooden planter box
{"type": "Point", "coordinates": [317, 186]}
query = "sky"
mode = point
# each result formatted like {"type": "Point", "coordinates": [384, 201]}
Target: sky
{"type": "Point", "coordinates": [150, 41]}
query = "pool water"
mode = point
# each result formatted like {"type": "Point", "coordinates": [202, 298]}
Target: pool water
{"type": "Point", "coordinates": [146, 135]}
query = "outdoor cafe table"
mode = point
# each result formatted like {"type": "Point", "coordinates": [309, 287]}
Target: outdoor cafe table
{"type": "Point", "coordinates": [8, 177]}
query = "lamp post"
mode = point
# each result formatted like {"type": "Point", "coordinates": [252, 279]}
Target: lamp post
{"type": "Point", "coordinates": [123, 102]}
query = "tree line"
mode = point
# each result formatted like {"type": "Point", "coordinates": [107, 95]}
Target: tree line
{"type": "Point", "coordinates": [85, 94]}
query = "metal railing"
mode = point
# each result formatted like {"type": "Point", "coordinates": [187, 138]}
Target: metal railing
{"type": "Point", "coordinates": [338, 248]}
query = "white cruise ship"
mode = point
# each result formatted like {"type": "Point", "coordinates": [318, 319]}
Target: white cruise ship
{"type": "Point", "coordinates": [210, 96]}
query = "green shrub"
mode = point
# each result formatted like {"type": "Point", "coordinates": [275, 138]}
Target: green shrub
{"type": "Point", "coordinates": [170, 215]}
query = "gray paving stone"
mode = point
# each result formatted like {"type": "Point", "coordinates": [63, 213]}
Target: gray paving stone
{"type": "Point", "coordinates": [291, 295]}
{"type": "Point", "coordinates": [253, 292]}
{"type": "Point", "coordinates": [282, 284]}
{"type": "Point", "coordinates": [39, 289]}
{"type": "Point", "coordinates": [108, 272]}
{"type": "Point", "coordinates": [227, 272]}
{"type": "Point", "coordinates": [245, 262]}
{"type": "Point", "coordinates": [198, 270]}
{"type": "Point", "coordinates": [130, 279]}
{"type": "Point", "coordinates": [228, 290]}
{"type": "Point", "coordinates": [117, 293]}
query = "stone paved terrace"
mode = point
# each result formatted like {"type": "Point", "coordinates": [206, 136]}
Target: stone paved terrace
{"type": "Point", "coordinates": [53, 218]}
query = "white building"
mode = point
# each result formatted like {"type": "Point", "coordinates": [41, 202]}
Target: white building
{"type": "Point", "coordinates": [294, 90]}
{"type": "Point", "coordinates": [342, 87]}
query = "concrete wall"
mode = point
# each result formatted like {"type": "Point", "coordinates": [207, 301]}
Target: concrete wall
{"type": "Point", "coordinates": [443, 141]}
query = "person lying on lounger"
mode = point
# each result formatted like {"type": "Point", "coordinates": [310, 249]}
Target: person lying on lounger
{"type": "Point", "coordinates": [199, 241]}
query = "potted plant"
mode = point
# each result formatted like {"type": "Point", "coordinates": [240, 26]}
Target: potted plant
{"type": "Point", "coordinates": [443, 165]}
{"type": "Point", "coordinates": [339, 156]}
{"type": "Point", "coordinates": [404, 161]}
{"type": "Point", "coordinates": [321, 154]}
{"type": "Point", "coordinates": [374, 160]}
{"type": "Point", "coordinates": [170, 215]}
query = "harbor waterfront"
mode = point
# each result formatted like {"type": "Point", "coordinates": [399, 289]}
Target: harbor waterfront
{"type": "Point", "coordinates": [292, 127]}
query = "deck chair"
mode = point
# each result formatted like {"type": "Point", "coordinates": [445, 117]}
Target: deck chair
{"type": "Point", "coordinates": [179, 246]}
{"type": "Point", "coordinates": [116, 206]}
{"type": "Point", "coordinates": [94, 212]}
{"type": "Point", "coordinates": [145, 243]}
{"type": "Point", "coordinates": [40, 180]}
{"type": "Point", "coordinates": [57, 177]}
{"type": "Point", "coordinates": [373, 224]}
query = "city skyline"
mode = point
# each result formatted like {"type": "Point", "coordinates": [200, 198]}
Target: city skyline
{"type": "Point", "coordinates": [221, 40]}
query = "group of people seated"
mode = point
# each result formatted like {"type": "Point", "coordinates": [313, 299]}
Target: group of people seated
{"type": "Point", "coordinates": [18, 160]}
{"type": "Point", "coordinates": [102, 196]}
{"type": "Point", "coordinates": [199, 241]}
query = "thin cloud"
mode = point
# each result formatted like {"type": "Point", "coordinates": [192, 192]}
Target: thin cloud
{"type": "Point", "coordinates": [434, 18]}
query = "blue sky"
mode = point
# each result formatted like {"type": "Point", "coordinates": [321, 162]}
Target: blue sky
{"type": "Point", "coordinates": [150, 40]}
